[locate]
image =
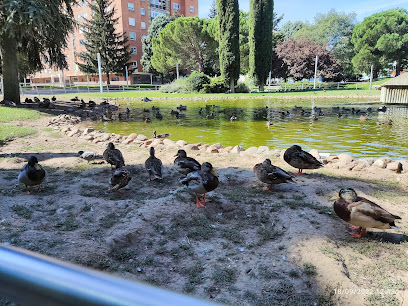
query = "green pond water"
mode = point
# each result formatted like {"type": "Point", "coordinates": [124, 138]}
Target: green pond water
{"type": "Point", "coordinates": [328, 134]}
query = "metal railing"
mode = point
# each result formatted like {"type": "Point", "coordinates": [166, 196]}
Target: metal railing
{"type": "Point", "coordinates": [32, 279]}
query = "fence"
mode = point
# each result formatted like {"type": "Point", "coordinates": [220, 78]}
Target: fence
{"type": "Point", "coordinates": [32, 279]}
{"type": "Point", "coordinates": [47, 89]}
{"type": "Point", "coordinates": [299, 86]}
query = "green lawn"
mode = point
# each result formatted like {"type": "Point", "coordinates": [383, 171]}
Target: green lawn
{"type": "Point", "coordinates": [8, 114]}
{"type": "Point", "coordinates": [277, 95]}
{"type": "Point", "coordinates": [8, 132]}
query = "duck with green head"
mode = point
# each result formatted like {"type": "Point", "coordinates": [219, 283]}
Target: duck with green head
{"type": "Point", "coordinates": [32, 174]}
{"type": "Point", "coordinates": [361, 213]}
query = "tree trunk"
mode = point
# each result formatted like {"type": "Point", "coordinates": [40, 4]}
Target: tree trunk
{"type": "Point", "coordinates": [10, 74]}
{"type": "Point", "coordinates": [397, 68]}
{"type": "Point", "coordinates": [107, 78]}
{"type": "Point", "coordinates": [232, 87]}
{"type": "Point", "coordinates": [261, 87]}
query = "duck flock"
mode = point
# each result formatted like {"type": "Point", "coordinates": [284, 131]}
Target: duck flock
{"type": "Point", "coordinates": [359, 212]}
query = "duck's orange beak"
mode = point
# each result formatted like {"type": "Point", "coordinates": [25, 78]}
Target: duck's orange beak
{"type": "Point", "coordinates": [37, 167]}
{"type": "Point", "coordinates": [214, 173]}
{"type": "Point", "coordinates": [336, 197]}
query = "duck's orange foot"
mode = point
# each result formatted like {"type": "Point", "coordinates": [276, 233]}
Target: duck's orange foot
{"type": "Point", "coordinates": [355, 228]}
{"type": "Point", "coordinates": [267, 188]}
{"type": "Point", "coordinates": [299, 172]}
{"type": "Point", "coordinates": [200, 203]}
{"type": "Point", "coordinates": [354, 235]}
{"type": "Point", "coordinates": [121, 191]}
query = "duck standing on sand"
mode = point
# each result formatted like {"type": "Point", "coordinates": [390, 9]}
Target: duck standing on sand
{"type": "Point", "coordinates": [119, 179]}
{"type": "Point", "coordinates": [361, 213]}
{"type": "Point", "coordinates": [32, 174]}
{"type": "Point", "coordinates": [184, 164]}
{"type": "Point", "coordinates": [270, 174]}
{"type": "Point", "coordinates": [300, 159]}
{"type": "Point", "coordinates": [113, 156]}
{"type": "Point", "coordinates": [201, 181]}
{"type": "Point", "coordinates": [153, 166]}
{"type": "Point", "coordinates": [89, 156]}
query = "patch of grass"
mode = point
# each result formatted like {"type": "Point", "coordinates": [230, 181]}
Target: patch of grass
{"type": "Point", "coordinates": [232, 235]}
{"type": "Point", "coordinates": [267, 233]}
{"type": "Point", "coordinates": [224, 276]}
{"type": "Point", "coordinates": [96, 191]}
{"type": "Point", "coordinates": [383, 299]}
{"type": "Point", "coordinates": [122, 254]}
{"type": "Point", "coordinates": [198, 227]}
{"type": "Point", "coordinates": [69, 224]}
{"type": "Point", "coordinates": [54, 243]}
{"type": "Point", "coordinates": [194, 277]}
{"type": "Point", "coordinates": [109, 220]}
{"type": "Point", "coordinates": [22, 211]}
{"type": "Point", "coordinates": [8, 132]}
{"type": "Point", "coordinates": [266, 273]}
{"type": "Point", "coordinates": [309, 269]}
{"type": "Point", "coordinates": [8, 114]}
{"type": "Point", "coordinates": [294, 273]}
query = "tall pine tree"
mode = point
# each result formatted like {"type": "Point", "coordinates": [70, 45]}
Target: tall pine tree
{"type": "Point", "coordinates": [101, 37]}
{"type": "Point", "coordinates": [228, 20]}
{"type": "Point", "coordinates": [260, 40]}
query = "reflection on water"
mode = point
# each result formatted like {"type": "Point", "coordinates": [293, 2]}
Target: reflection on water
{"type": "Point", "coordinates": [323, 125]}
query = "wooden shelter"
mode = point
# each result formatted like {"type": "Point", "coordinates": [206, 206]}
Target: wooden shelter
{"type": "Point", "coordinates": [395, 90]}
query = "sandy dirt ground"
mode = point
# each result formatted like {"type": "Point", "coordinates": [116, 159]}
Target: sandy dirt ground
{"type": "Point", "coordinates": [248, 246]}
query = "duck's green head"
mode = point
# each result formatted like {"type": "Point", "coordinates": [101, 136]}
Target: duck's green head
{"type": "Point", "coordinates": [207, 167]}
{"type": "Point", "coordinates": [33, 162]}
{"type": "Point", "coordinates": [347, 194]}
{"type": "Point", "coordinates": [111, 146]}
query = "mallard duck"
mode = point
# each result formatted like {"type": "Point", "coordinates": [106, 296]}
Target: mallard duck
{"type": "Point", "coordinates": [153, 166]}
{"type": "Point", "coordinates": [113, 156]}
{"type": "Point", "coordinates": [89, 156]}
{"type": "Point", "coordinates": [388, 122]}
{"type": "Point", "coordinates": [300, 159]}
{"type": "Point", "coordinates": [233, 118]}
{"type": "Point", "coordinates": [53, 99]}
{"type": "Point", "coordinates": [201, 181]}
{"type": "Point", "coordinates": [361, 213]}
{"type": "Point", "coordinates": [181, 107]}
{"type": "Point", "coordinates": [179, 116]}
{"type": "Point", "coordinates": [185, 164]}
{"type": "Point", "coordinates": [32, 174]}
{"type": "Point", "coordinates": [155, 135]}
{"type": "Point", "coordinates": [159, 116]}
{"type": "Point", "coordinates": [270, 174]}
{"type": "Point", "coordinates": [146, 99]}
{"type": "Point", "coordinates": [120, 178]}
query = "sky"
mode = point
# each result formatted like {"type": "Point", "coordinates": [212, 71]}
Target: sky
{"type": "Point", "coordinates": [303, 10]}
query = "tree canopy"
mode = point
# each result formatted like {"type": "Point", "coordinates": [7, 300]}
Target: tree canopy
{"type": "Point", "coordinates": [188, 42]}
{"type": "Point", "coordinates": [289, 29]}
{"type": "Point", "coordinates": [102, 37]}
{"type": "Point", "coordinates": [37, 29]}
{"type": "Point", "coordinates": [299, 55]}
{"type": "Point", "coordinates": [229, 51]}
{"type": "Point", "coordinates": [156, 26]}
{"type": "Point", "coordinates": [381, 39]}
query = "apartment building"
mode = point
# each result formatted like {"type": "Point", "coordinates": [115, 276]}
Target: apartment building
{"type": "Point", "coordinates": [135, 17]}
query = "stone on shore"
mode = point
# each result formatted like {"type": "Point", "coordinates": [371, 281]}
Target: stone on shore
{"type": "Point", "coordinates": [395, 166]}
{"type": "Point", "coordinates": [237, 149]}
{"type": "Point", "coordinates": [315, 154]}
{"type": "Point", "coordinates": [262, 150]}
{"type": "Point", "coordinates": [380, 163]}
{"type": "Point", "coordinates": [181, 143]}
{"type": "Point", "coordinates": [132, 136]}
{"type": "Point", "coordinates": [345, 158]}
{"type": "Point", "coordinates": [141, 137]}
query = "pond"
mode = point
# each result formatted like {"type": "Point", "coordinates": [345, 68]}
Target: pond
{"type": "Point", "coordinates": [325, 132]}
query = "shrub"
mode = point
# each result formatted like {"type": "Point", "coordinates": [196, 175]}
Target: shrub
{"type": "Point", "coordinates": [197, 80]}
{"type": "Point", "coordinates": [217, 85]}
{"type": "Point", "coordinates": [242, 88]}
{"type": "Point", "coordinates": [177, 86]}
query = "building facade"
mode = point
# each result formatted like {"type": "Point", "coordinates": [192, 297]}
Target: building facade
{"type": "Point", "coordinates": [135, 17]}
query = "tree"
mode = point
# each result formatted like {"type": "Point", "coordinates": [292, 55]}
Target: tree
{"type": "Point", "coordinates": [260, 40]}
{"type": "Point", "coordinates": [299, 55]}
{"type": "Point", "coordinates": [244, 41]}
{"type": "Point", "coordinates": [188, 42]}
{"type": "Point", "coordinates": [381, 39]}
{"type": "Point", "coordinates": [289, 29]}
{"type": "Point", "coordinates": [101, 37]}
{"type": "Point", "coordinates": [213, 10]}
{"type": "Point", "coordinates": [156, 26]}
{"type": "Point", "coordinates": [229, 52]}
{"type": "Point", "coordinates": [30, 27]}
{"type": "Point", "coordinates": [333, 30]}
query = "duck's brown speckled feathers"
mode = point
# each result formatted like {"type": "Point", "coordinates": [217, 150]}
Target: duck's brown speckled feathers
{"type": "Point", "coordinates": [270, 174]}
{"type": "Point", "coordinates": [201, 181]}
{"type": "Point", "coordinates": [362, 212]}
{"type": "Point", "coordinates": [120, 178]}
{"type": "Point", "coordinates": [113, 156]}
{"type": "Point", "coordinates": [300, 159]}
{"type": "Point", "coordinates": [185, 164]}
{"type": "Point", "coordinates": [153, 166]}
{"type": "Point", "coordinates": [32, 173]}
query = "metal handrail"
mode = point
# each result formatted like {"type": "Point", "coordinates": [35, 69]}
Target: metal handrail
{"type": "Point", "coordinates": [32, 279]}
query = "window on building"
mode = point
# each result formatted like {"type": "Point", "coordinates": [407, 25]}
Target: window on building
{"type": "Point", "coordinates": [191, 9]}
{"type": "Point", "coordinates": [176, 6]}
{"type": "Point", "coordinates": [79, 17]}
{"type": "Point", "coordinates": [131, 7]}
{"type": "Point", "coordinates": [85, 15]}
{"type": "Point", "coordinates": [154, 13]}
{"type": "Point", "coordinates": [132, 21]}
{"type": "Point", "coordinates": [115, 78]}
{"type": "Point", "coordinates": [134, 65]}
{"type": "Point", "coordinates": [133, 50]}
{"type": "Point", "coordinates": [81, 42]}
{"type": "Point", "coordinates": [142, 12]}
{"type": "Point", "coordinates": [142, 25]}
{"type": "Point", "coordinates": [132, 35]}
